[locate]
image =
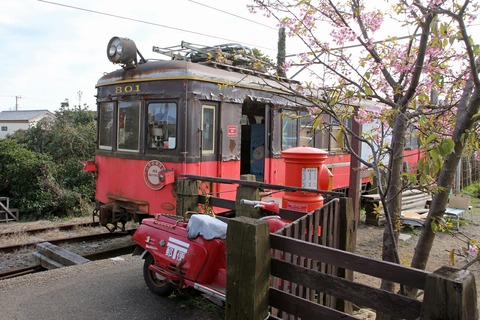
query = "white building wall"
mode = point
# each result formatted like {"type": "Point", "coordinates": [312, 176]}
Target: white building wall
{"type": "Point", "coordinates": [12, 127]}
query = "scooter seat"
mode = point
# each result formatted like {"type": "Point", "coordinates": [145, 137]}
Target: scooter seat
{"type": "Point", "coordinates": [206, 226]}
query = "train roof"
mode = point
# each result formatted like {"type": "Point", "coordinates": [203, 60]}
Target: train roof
{"type": "Point", "coordinates": [156, 70]}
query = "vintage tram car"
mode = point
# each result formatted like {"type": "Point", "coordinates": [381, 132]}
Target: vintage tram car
{"type": "Point", "coordinates": [203, 111]}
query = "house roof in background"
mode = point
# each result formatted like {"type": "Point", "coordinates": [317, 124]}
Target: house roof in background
{"type": "Point", "coordinates": [23, 115]}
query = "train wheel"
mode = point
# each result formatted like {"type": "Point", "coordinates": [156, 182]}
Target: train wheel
{"type": "Point", "coordinates": [155, 282]}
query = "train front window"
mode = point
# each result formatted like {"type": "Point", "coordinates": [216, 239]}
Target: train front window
{"type": "Point", "coordinates": [105, 130]}
{"type": "Point", "coordinates": [289, 129]}
{"type": "Point", "coordinates": [162, 125]}
{"type": "Point", "coordinates": [128, 125]}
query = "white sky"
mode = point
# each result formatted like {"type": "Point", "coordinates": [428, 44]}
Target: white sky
{"type": "Point", "coordinates": [49, 52]}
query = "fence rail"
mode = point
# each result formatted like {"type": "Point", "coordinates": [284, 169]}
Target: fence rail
{"type": "Point", "coordinates": [451, 290]}
{"type": "Point", "coordinates": [357, 293]}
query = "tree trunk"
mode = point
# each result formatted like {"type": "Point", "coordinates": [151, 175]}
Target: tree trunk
{"type": "Point", "coordinates": [466, 111]}
{"type": "Point", "coordinates": [393, 200]}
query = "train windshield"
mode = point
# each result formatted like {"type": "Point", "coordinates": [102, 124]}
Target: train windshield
{"type": "Point", "coordinates": [128, 125]}
{"type": "Point", "coordinates": [162, 125]}
{"type": "Point", "coordinates": [106, 120]}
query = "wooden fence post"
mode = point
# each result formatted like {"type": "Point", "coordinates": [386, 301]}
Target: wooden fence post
{"type": "Point", "coordinates": [248, 269]}
{"type": "Point", "coordinates": [248, 193]}
{"type": "Point", "coordinates": [346, 243]}
{"type": "Point", "coordinates": [450, 294]}
{"type": "Point", "coordinates": [187, 196]}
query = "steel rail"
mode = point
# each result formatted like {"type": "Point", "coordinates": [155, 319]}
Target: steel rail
{"type": "Point", "coordinates": [99, 255]}
{"type": "Point", "coordinates": [96, 236]}
{"type": "Point", "coordinates": [43, 229]}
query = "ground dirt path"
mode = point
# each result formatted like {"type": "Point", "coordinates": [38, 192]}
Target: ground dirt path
{"type": "Point", "coordinates": [369, 243]}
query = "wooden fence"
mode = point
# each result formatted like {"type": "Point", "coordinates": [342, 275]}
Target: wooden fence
{"type": "Point", "coordinates": [306, 272]}
{"type": "Point", "coordinates": [448, 293]}
{"type": "Point", "coordinates": [6, 213]}
{"type": "Point", "coordinates": [320, 227]}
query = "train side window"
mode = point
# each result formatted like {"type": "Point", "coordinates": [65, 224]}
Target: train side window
{"type": "Point", "coordinates": [105, 130]}
{"type": "Point", "coordinates": [411, 138]}
{"type": "Point", "coordinates": [307, 131]}
{"type": "Point", "coordinates": [289, 130]}
{"type": "Point", "coordinates": [162, 125]}
{"type": "Point", "coordinates": [208, 129]}
{"type": "Point", "coordinates": [128, 125]}
{"type": "Point", "coordinates": [334, 144]}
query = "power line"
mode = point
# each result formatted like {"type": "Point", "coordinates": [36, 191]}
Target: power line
{"type": "Point", "coordinates": [27, 98]}
{"type": "Point", "coordinates": [234, 15]}
{"type": "Point", "coordinates": [360, 45]}
{"type": "Point", "coordinates": [146, 22]}
{"type": "Point", "coordinates": [350, 47]}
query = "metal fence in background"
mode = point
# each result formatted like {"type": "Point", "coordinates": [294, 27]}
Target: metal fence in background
{"type": "Point", "coordinates": [468, 172]}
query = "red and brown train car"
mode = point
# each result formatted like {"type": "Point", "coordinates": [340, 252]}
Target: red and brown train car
{"type": "Point", "coordinates": [158, 119]}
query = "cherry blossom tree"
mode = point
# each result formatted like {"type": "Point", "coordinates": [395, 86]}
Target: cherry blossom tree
{"type": "Point", "coordinates": [417, 59]}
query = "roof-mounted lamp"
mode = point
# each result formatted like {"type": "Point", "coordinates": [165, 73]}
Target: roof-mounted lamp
{"type": "Point", "coordinates": [122, 51]}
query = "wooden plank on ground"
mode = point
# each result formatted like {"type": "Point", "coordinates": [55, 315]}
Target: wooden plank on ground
{"type": "Point", "coordinates": [60, 255]}
{"type": "Point", "coordinates": [46, 262]}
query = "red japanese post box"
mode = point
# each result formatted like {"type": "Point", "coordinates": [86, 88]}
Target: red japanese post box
{"type": "Point", "coordinates": [305, 168]}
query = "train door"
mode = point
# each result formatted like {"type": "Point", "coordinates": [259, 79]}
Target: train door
{"type": "Point", "coordinates": [208, 138]}
{"type": "Point", "coordinates": [254, 140]}
{"type": "Point", "coordinates": [220, 145]}
{"type": "Point", "coordinates": [229, 140]}
{"type": "Point", "coordinates": [207, 144]}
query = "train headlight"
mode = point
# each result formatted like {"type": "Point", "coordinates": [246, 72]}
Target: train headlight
{"type": "Point", "coordinates": [122, 51]}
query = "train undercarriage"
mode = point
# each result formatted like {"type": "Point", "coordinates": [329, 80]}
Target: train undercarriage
{"type": "Point", "coordinates": [115, 214]}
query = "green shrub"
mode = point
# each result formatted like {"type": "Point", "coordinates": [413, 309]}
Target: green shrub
{"type": "Point", "coordinates": [473, 189]}
{"type": "Point", "coordinates": [23, 173]}
{"type": "Point", "coordinates": [41, 167]}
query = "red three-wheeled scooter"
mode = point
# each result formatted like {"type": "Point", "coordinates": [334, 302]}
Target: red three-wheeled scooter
{"type": "Point", "coordinates": [180, 253]}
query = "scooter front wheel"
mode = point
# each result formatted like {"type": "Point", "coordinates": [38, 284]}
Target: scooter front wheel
{"type": "Point", "coordinates": [157, 283]}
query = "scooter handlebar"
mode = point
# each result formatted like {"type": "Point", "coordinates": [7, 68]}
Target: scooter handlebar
{"type": "Point", "coordinates": [270, 206]}
{"type": "Point", "coordinates": [249, 202]}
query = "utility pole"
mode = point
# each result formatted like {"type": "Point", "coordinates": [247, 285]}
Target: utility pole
{"type": "Point", "coordinates": [281, 49]}
{"type": "Point", "coordinates": [16, 102]}
{"type": "Point", "coordinates": [79, 93]}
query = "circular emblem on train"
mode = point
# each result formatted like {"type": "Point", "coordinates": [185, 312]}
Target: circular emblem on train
{"type": "Point", "coordinates": [151, 174]}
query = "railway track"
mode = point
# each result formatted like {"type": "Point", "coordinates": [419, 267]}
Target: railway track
{"type": "Point", "coordinates": [92, 246]}
{"type": "Point", "coordinates": [20, 271]}
{"type": "Point", "coordinates": [34, 231]}
{"type": "Point", "coordinates": [104, 254]}
{"type": "Point", "coordinates": [88, 237]}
